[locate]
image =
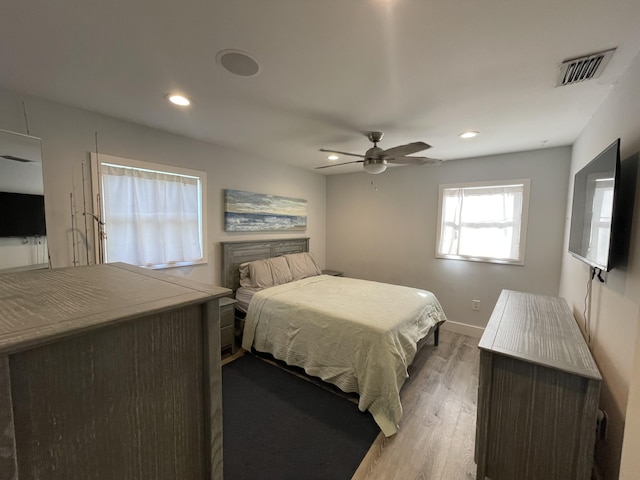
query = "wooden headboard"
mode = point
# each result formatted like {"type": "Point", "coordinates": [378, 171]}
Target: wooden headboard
{"type": "Point", "coordinates": [235, 253]}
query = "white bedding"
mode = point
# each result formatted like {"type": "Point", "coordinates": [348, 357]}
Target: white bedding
{"type": "Point", "coordinates": [358, 335]}
{"type": "Point", "coordinates": [244, 296]}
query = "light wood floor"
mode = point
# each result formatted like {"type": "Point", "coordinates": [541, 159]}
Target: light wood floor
{"type": "Point", "coordinates": [437, 431]}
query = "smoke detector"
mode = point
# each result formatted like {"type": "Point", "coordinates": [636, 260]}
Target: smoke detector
{"type": "Point", "coordinates": [583, 68]}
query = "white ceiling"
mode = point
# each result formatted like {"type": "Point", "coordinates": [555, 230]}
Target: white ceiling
{"type": "Point", "coordinates": [331, 70]}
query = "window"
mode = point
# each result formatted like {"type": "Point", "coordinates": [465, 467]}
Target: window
{"type": "Point", "coordinates": [154, 215]}
{"type": "Point", "coordinates": [483, 222]}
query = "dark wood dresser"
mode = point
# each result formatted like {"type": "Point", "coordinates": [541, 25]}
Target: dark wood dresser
{"type": "Point", "coordinates": [109, 372]}
{"type": "Point", "coordinates": [538, 392]}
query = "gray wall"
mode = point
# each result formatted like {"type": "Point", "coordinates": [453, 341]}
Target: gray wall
{"type": "Point", "coordinates": [387, 231]}
{"type": "Point", "coordinates": [615, 306]}
{"type": "Point", "coordinates": [68, 136]}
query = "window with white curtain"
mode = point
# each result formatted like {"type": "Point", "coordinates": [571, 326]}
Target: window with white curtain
{"type": "Point", "coordinates": [154, 215]}
{"type": "Point", "coordinates": [484, 221]}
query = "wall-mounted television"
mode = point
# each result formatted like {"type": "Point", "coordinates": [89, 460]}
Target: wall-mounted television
{"type": "Point", "coordinates": [596, 195]}
{"type": "Point", "coordinates": [21, 215]}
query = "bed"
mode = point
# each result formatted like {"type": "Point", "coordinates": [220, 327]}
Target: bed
{"type": "Point", "coordinates": [357, 335]}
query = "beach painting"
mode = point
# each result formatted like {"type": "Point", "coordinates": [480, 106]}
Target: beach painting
{"type": "Point", "coordinates": [255, 212]}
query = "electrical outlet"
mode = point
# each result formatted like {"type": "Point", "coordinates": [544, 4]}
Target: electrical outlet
{"type": "Point", "coordinates": [475, 305]}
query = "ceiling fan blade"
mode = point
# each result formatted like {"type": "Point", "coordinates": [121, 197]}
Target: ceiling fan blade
{"type": "Point", "coordinates": [408, 149]}
{"type": "Point", "coordinates": [414, 161]}
{"type": "Point", "coordinates": [336, 164]}
{"type": "Point", "coordinates": [341, 153]}
{"type": "Point", "coordinates": [16, 159]}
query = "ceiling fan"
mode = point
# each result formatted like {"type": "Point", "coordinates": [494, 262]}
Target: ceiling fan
{"type": "Point", "coordinates": [375, 160]}
{"type": "Point", "coordinates": [16, 159]}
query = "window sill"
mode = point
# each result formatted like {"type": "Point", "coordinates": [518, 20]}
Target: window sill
{"type": "Point", "coordinates": [174, 265]}
{"type": "Point", "coordinates": [497, 261]}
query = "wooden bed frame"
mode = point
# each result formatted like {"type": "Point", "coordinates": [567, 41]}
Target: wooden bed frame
{"type": "Point", "coordinates": [236, 253]}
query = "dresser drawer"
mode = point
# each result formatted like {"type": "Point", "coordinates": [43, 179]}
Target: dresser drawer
{"type": "Point", "coordinates": [226, 337]}
{"type": "Point", "coordinates": [227, 316]}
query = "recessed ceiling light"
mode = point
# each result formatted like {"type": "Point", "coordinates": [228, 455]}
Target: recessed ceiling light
{"type": "Point", "coordinates": [469, 134]}
{"type": "Point", "coordinates": [333, 157]}
{"type": "Point", "coordinates": [179, 100]}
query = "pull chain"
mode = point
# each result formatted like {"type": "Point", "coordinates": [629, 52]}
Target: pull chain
{"type": "Point", "coordinates": [26, 120]}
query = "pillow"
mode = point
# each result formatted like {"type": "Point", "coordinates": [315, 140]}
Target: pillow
{"type": "Point", "coordinates": [280, 270]}
{"type": "Point", "coordinates": [260, 273]}
{"type": "Point", "coordinates": [245, 278]}
{"type": "Point", "coordinates": [265, 273]}
{"type": "Point", "coordinates": [302, 265]}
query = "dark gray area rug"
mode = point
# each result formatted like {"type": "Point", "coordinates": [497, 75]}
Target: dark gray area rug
{"type": "Point", "coordinates": [280, 426]}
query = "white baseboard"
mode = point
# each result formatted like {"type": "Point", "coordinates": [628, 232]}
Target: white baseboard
{"type": "Point", "coordinates": [463, 329]}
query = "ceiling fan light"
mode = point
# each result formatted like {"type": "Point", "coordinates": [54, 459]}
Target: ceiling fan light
{"type": "Point", "coordinates": [375, 166]}
{"type": "Point", "coordinates": [179, 100]}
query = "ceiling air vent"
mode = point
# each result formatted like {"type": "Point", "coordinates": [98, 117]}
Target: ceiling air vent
{"type": "Point", "coordinates": [583, 68]}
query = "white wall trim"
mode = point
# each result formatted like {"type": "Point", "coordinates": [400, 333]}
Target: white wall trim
{"type": "Point", "coordinates": [463, 329]}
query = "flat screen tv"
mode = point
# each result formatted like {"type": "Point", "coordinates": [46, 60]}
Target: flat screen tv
{"type": "Point", "coordinates": [21, 215]}
{"type": "Point", "coordinates": [593, 213]}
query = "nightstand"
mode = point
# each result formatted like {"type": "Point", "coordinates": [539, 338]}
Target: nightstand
{"type": "Point", "coordinates": [333, 273]}
{"type": "Point", "coordinates": [227, 316]}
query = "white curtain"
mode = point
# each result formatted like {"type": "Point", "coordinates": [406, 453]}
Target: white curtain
{"type": "Point", "coordinates": [482, 222]}
{"type": "Point", "coordinates": [152, 218]}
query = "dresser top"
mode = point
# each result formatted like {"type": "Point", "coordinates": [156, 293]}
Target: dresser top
{"type": "Point", "coordinates": [538, 329]}
{"type": "Point", "coordinates": [43, 305]}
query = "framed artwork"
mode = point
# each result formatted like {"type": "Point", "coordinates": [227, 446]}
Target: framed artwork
{"type": "Point", "coordinates": [255, 212]}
